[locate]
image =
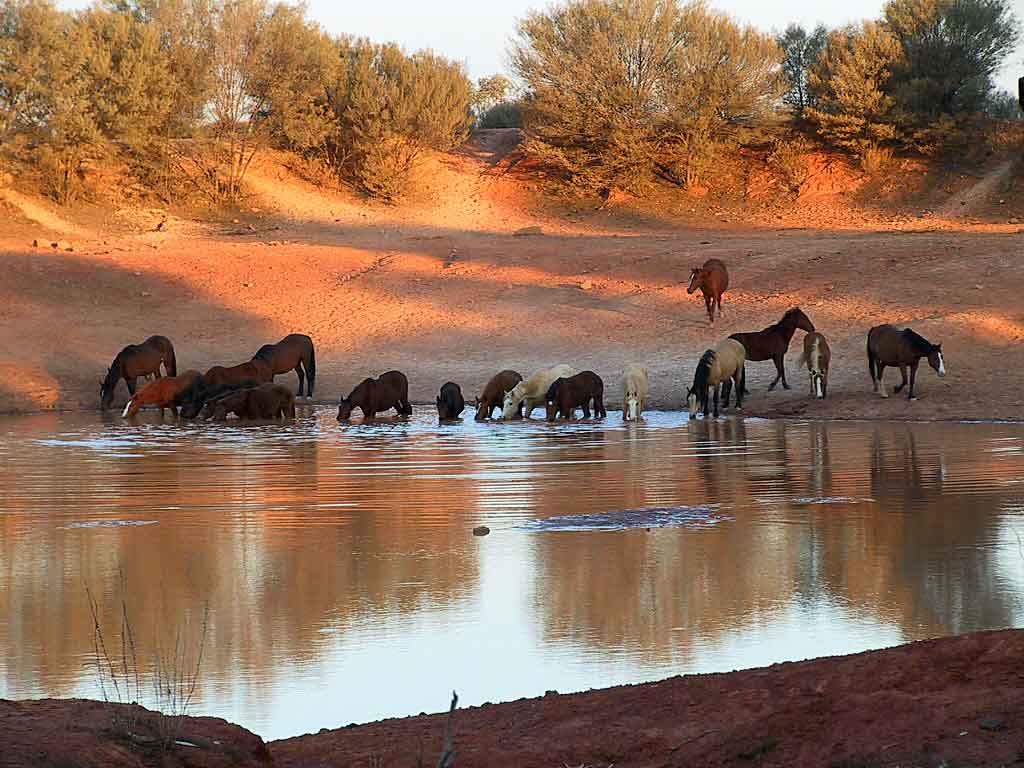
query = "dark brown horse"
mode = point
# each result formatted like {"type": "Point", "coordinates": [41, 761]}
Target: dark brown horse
{"type": "Point", "coordinates": [712, 279]}
{"type": "Point", "coordinates": [565, 395]}
{"type": "Point", "coordinates": [167, 392]}
{"type": "Point", "coordinates": [450, 402]}
{"type": "Point", "coordinates": [257, 370]}
{"type": "Point", "coordinates": [494, 393]}
{"type": "Point", "coordinates": [373, 396]}
{"type": "Point", "coordinates": [265, 402]}
{"type": "Point", "coordinates": [138, 360]}
{"type": "Point", "coordinates": [888, 345]}
{"type": "Point", "coordinates": [194, 406]}
{"type": "Point", "coordinates": [292, 353]}
{"type": "Point", "coordinates": [772, 343]}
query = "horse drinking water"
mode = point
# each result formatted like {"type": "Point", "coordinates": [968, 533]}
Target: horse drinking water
{"type": "Point", "coordinates": [889, 345]}
{"type": "Point", "coordinates": [634, 392]}
{"type": "Point", "coordinates": [292, 353]}
{"type": "Point", "coordinates": [494, 393]}
{"type": "Point", "coordinates": [772, 343]}
{"type": "Point", "coordinates": [565, 395]}
{"type": "Point", "coordinates": [373, 396]}
{"type": "Point", "coordinates": [722, 365]}
{"type": "Point", "coordinates": [166, 392]}
{"type": "Point", "coordinates": [138, 360]}
{"type": "Point", "coordinates": [712, 279]}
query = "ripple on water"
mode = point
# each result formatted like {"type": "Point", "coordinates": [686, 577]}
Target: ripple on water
{"type": "Point", "coordinates": [625, 519]}
{"type": "Point", "coordinates": [106, 524]}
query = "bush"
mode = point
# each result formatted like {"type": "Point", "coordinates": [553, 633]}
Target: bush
{"type": "Point", "coordinates": [507, 114]}
{"type": "Point", "coordinates": [620, 89]}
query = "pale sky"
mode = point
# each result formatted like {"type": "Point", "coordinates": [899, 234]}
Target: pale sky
{"type": "Point", "coordinates": [477, 32]}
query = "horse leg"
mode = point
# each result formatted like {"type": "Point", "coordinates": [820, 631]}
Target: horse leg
{"type": "Point", "coordinates": [739, 379]}
{"type": "Point", "coordinates": [781, 365]}
{"type": "Point", "coordinates": [881, 384]}
{"type": "Point", "coordinates": [302, 379]}
{"type": "Point", "coordinates": [726, 393]}
{"type": "Point", "coordinates": [718, 301]}
{"type": "Point", "coordinates": [716, 400]}
{"type": "Point", "coordinates": [913, 376]}
{"type": "Point", "coordinates": [709, 305]}
{"type": "Point", "coordinates": [130, 382]}
{"type": "Point", "coordinates": [899, 388]}
{"type": "Point", "coordinates": [586, 409]}
{"type": "Point", "coordinates": [780, 373]}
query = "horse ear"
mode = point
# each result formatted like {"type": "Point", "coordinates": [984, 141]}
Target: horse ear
{"type": "Point", "coordinates": [938, 347]}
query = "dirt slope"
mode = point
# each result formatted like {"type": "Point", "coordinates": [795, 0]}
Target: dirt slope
{"type": "Point", "coordinates": [448, 287]}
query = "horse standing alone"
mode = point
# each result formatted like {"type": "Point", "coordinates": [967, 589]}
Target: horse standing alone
{"type": "Point", "coordinates": [889, 345]}
{"type": "Point", "coordinates": [723, 365]}
{"type": "Point", "coordinates": [712, 279]}
{"type": "Point", "coordinates": [137, 360]}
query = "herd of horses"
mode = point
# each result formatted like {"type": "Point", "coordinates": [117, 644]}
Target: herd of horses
{"type": "Point", "coordinates": [248, 391]}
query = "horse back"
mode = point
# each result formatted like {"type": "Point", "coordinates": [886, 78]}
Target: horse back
{"type": "Point", "coordinates": [718, 275]}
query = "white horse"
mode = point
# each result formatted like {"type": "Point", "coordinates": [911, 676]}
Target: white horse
{"type": "Point", "coordinates": [816, 357]}
{"type": "Point", "coordinates": [634, 392]}
{"type": "Point", "coordinates": [533, 391]}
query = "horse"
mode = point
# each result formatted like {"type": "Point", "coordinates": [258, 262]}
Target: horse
{"type": "Point", "coordinates": [888, 345]}
{"type": "Point", "coordinates": [450, 403]}
{"type": "Point", "coordinates": [722, 365]}
{"type": "Point", "coordinates": [292, 353]}
{"type": "Point", "coordinates": [372, 396]}
{"type": "Point", "coordinates": [494, 393]}
{"type": "Point", "coordinates": [817, 356]}
{"type": "Point", "coordinates": [532, 392]}
{"type": "Point", "coordinates": [713, 280]}
{"type": "Point", "coordinates": [772, 343]}
{"type": "Point", "coordinates": [264, 403]}
{"type": "Point", "coordinates": [634, 392]}
{"type": "Point", "coordinates": [565, 395]}
{"type": "Point", "coordinates": [192, 408]}
{"type": "Point", "coordinates": [166, 392]}
{"type": "Point", "coordinates": [257, 370]}
{"type": "Point", "coordinates": [138, 360]}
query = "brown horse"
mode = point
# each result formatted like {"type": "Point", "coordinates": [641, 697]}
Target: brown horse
{"type": "Point", "coordinates": [494, 393]}
{"type": "Point", "coordinates": [373, 396]}
{"type": "Point", "coordinates": [450, 402]}
{"type": "Point", "coordinates": [265, 402]}
{"type": "Point", "coordinates": [772, 343]}
{"type": "Point", "coordinates": [194, 406]}
{"type": "Point", "coordinates": [712, 279]}
{"type": "Point", "coordinates": [888, 345]}
{"type": "Point", "coordinates": [167, 392]}
{"type": "Point", "coordinates": [257, 370]}
{"type": "Point", "coordinates": [565, 395]}
{"type": "Point", "coordinates": [138, 360]}
{"type": "Point", "coordinates": [292, 353]}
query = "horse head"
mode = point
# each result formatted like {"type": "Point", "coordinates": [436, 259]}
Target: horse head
{"type": "Point", "coordinates": [632, 407]}
{"type": "Point", "coordinates": [512, 398]}
{"type": "Point", "coordinates": [936, 361]}
{"type": "Point", "coordinates": [799, 320]}
{"type": "Point", "coordinates": [344, 409]}
{"type": "Point", "coordinates": [696, 279]}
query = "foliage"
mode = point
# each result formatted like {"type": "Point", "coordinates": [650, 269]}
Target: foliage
{"type": "Point", "coordinates": [1003, 105]}
{"type": "Point", "coordinates": [489, 92]}
{"type": "Point", "coordinates": [505, 114]}
{"type": "Point", "coordinates": [800, 50]}
{"type": "Point", "coordinates": [620, 89]}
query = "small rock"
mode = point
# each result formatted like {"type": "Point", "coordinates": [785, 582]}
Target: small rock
{"type": "Point", "coordinates": [145, 294]}
{"type": "Point", "coordinates": [586, 285]}
{"type": "Point", "coordinates": [481, 530]}
{"type": "Point", "coordinates": [528, 231]}
{"type": "Point", "coordinates": [991, 724]}
{"type": "Point", "coordinates": [247, 285]}
{"type": "Point", "coordinates": [234, 221]}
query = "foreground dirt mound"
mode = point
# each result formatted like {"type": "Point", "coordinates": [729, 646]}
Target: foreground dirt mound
{"type": "Point", "coordinates": [83, 734]}
{"type": "Point", "coordinates": [952, 702]}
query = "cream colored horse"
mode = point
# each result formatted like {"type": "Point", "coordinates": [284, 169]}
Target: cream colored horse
{"type": "Point", "coordinates": [723, 365]}
{"type": "Point", "coordinates": [634, 392]}
{"type": "Point", "coordinates": [533, 391]}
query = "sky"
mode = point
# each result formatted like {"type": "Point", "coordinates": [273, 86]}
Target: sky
{"type": "Point", "coordinates": [476, 32]}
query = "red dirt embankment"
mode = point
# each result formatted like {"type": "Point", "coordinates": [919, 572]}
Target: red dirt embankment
{"type": "Point", "coordinates": [950, 702]}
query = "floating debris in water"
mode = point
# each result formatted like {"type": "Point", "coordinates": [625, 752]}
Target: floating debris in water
{"type": "Point", "coordinates": [812, 500]}
{"type": "Point", "coordinates": [624, 519]}
{"type": "Point", "coordinates": [107, 524]}
{"type": "Point", "coordinates": [481, 530]}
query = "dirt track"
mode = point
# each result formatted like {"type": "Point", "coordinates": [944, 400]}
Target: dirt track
{"type": "Point", "coordinates": [444, 289]}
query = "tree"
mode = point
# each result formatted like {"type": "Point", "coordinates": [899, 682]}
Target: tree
{"type": "Point", "coordinates": [800, 50]}
{"type": "Point", "coordinates": [490, 92]}
{"type": "Point", "coordinates": [619, 89]}
{"type": "Point", "coordinates": [849, 81]}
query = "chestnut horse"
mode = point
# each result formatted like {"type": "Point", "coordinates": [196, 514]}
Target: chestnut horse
{"type": "Point", "coordinates": [138, 360]}
{"type": "Point", "coordinates": [494, 393]}
{"type": "Point", "coordinates": [257, 370]}
{"type": "Point", "coordinates": [292, 353]}
{"type": "Point", "coordinates": [888, 345]}
{"type": "Point", "coordinates": [373, 396]}
{"type": "Point", "coordinates": [712, 279]}
{"type": "Point", "coordinates": [167, 392]}
{"type": "Point", "coordinates": [772, 343]}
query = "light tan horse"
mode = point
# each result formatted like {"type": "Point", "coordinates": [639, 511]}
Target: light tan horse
{"type": "Point", "coordinates": [817, 356]}
{"type": "Point", "coordinates": [634, 392]}
{"type": "Point", "coordinates": [533, 391]}
{"type": "Point", "coordinates": [723, 365]}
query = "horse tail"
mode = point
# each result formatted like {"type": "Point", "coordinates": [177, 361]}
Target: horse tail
{"type": "Point", "coordinates": [310, 370]}
{"type": "Point", "coordinates": [170, 361]}
{"type": "Point", "coordinates": [872, 360]}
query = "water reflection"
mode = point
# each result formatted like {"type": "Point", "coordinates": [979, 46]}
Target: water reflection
{"type": "Point", "coordinates": [343, 583]}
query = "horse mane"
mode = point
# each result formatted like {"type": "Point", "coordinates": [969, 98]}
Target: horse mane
{"type": "Point", "coordinates": [917, 341]}
{"type": "Point", "coordinates": [264, 352]}
{"type": "Point", "coordinates": [703, 373]}
{"type": "Point", "coordinates": [114, 371]}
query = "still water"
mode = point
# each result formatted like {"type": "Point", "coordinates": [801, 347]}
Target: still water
{"type": "Point", "coordinates": [340, 581]}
